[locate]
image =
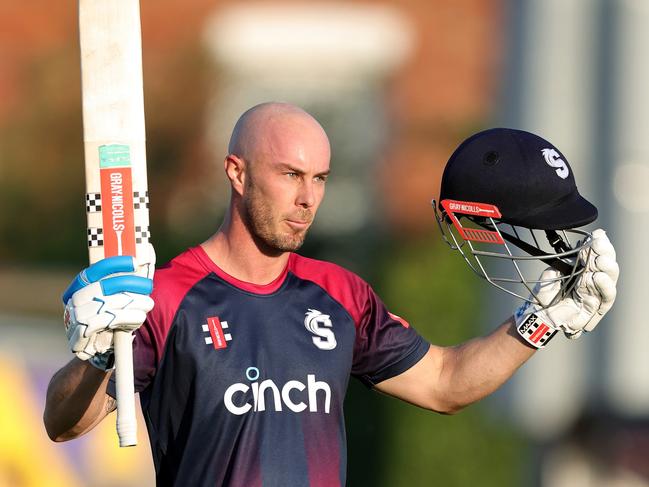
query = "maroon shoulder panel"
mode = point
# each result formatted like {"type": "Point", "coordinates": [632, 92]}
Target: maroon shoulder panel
{"type": "Point", "coordinates": [385, 344]}
{"type": "Point", "coordinates": [171, 283]}
{"type": "Point", "coordinates": [352, 292]}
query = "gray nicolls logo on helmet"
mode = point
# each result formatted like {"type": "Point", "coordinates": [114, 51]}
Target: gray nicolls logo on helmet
{"type": "Point", "coordinates": [502, 206]}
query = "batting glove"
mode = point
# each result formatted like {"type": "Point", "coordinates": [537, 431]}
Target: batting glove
{"type": "Point", "coordinates": [583, 308]}
{"type": "Point", "coordinates": [112, 294]}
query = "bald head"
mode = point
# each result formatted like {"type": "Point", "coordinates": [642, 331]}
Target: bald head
{"type": "Point", "coordinates": [270, 127]}
{"type": "Point", "coordinates": [278, 164]}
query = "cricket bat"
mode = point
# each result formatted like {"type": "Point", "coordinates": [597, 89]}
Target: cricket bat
{"type": "Point", "coordinates": [115, 157]}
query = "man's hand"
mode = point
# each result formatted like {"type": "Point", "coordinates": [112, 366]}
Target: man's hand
{"type": "Point", "coordinates": [112, 294]}
{"type": "Point", "coordinates": [584, 307]}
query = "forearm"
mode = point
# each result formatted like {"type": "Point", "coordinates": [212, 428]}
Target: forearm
{"type": "Point", "coordinates": [76, 400]}
{"type": "Point", "coordinates": [475, 369]}
{"type": "Point", "coordinates": [447, 379]}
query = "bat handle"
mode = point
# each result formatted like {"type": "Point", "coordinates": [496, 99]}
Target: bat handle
{"type": "Point", "coordinates": [125, 390]}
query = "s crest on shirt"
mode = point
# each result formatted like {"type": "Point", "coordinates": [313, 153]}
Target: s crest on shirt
{"type": "Point", "coordinates": [320, 325]}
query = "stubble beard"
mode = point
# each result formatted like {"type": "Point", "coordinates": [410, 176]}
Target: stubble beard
{"type": "Point", "coordinates": [258, 216]}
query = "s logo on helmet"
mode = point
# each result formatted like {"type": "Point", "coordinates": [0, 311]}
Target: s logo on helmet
{"type": "Point", "coordinates": [320, 324]}
{"type": "Point", "coordinates": [553, 159]}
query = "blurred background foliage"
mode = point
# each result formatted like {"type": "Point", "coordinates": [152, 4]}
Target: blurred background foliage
{"type": "Point", "coordinates": [393, 443]}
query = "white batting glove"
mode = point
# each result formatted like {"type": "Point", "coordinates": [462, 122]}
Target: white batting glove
{"type": "Point", "coordinates": [583, 308]}
{"type": "Point", "coordinates": [112, 294]}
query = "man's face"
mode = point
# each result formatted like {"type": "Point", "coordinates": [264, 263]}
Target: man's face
{"type": "Point", "coordinates": [283, 190]}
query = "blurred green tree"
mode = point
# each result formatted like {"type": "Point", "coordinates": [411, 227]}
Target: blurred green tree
{"type": "Point", "coordinates": [42, 216]}
{"type": "Point", "coordinates": [41, 168]}
{"type": "Point", "coordinates": [395, 444]}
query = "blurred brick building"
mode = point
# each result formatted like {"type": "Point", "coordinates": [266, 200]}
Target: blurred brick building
{"type": "Point", "coordinates": [445, 90]}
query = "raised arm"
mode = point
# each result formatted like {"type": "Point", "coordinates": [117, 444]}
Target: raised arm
{"type": "Point", "coordinates": [112, 294]}
{"type": "Point", "coordinates": [76, 400]}
{"type": "Point", "coordinates": [448, 379]}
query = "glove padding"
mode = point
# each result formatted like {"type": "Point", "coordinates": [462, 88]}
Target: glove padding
{"type": "Point", "coordinates": [112, 294]}
{"type": "Point", "coordinates": [583, 308]}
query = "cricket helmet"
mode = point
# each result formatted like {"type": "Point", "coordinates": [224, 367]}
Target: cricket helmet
{"type": "Point", "coordinates": [509, 202]}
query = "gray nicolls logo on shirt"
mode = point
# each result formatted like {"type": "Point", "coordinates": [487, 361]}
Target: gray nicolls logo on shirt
{"type": "Point", "coordinates": [217, 337]}
{"type": "Point", "coordinates": [320, 324]}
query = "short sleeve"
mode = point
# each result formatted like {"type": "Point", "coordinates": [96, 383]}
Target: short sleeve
{"type": "Point", "coordinates": [386, 345]}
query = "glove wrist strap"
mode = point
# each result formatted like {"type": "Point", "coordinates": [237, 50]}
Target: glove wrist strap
{"type": "Point", "coordinates": [535, 330]}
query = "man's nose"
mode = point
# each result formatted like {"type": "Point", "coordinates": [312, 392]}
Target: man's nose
{"type": "Point", "coordinates": [306, 194]}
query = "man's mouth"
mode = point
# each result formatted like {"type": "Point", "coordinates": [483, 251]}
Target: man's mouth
{"type": "Point", "coordinates": [298, 224]}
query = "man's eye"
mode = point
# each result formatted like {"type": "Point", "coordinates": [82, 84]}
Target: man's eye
{"type": "Point", "coordinates": [291, 174]}
{"type": "Point", "coordinates": [321, 179]}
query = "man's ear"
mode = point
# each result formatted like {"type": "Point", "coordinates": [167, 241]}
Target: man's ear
{"type": "Point", "coordinates": [235, 170]}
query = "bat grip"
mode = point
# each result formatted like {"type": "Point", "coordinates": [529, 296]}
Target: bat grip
{"type": "Point", "coordinates": [125, 390]}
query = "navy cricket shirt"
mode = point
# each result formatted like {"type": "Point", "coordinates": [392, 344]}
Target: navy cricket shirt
{"type": "Point", "coordinates": [243, 385]}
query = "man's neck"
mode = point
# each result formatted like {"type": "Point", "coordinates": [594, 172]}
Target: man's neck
{"type": "Point", "coordinates": [236, 253]}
